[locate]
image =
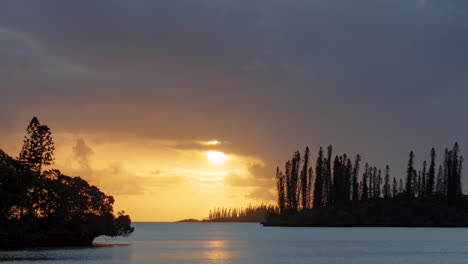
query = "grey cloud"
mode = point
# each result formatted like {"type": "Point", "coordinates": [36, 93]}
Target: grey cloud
{"type": "Point", "coordinates": [268, 76]}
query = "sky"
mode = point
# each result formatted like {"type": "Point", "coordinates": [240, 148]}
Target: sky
{"type": "Point", "coordinates": [137, 93]}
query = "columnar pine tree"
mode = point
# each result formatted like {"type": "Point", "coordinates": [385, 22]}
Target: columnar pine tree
{"type": "Point", "coordinates": [355, 191]}
{"type": "Point", "coordinates": [328, 177]}
{"type": "Point", "coordinates": [309, 186]}
{"type": "Point", "coordinates": [280, 190]}
{"type": "Point", "coordinates": [386, 189]}
{"type": "Point", "coordinates": [410, 173]}
{"type": "Point", "coordinates": [430, 181]}
{"type": "Point", "coordinates": [378, 183]}
{"type": "Point", "coordinates": [422, 187]}
{"type": "Point", "coordinates": [440, 182]}
{"type": "Point", "coordinates": [347, 181]}
{"type": "Point", "coordinates": [318, 184]}
{"type": "Point", "coordinates": [293, 182]}
{"type": "Point", "coordinates": [365, 189]}
{"type": "Point", "coordinates": [304, 179]}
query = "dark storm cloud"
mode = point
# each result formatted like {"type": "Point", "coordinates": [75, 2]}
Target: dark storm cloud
{"type": "Point", "coordinates": [369, 76]}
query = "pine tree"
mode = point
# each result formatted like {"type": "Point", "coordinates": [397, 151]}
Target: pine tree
{"type": "Point", "coordinates": [318, 185]}
{"type": "Point", "coordinates": [378, 183]}
{"type": "Point", "coordinates": [422, 187]}
{"type": "Point", "coordinates": [328, 177]}
{"type": "Point", "coordinates": [365, 189]}
{"type": "Point", "coordinates": [293, 182]}
{"type": "Point", "coordinates": [309, 190]}
{"type": "Point", "coordinates": [440, 182]}
{"type": "Point", "coordinates": [347, 181]}
{"type": "Point", "coordinates": [355, 191]}
{"type": "Point", "coordinates": [431, 174]}
{"type": "Point", "coordinates": [386, 188]}
{"type": "Point", "coordinates": [38, 148]}
{"type": "Point", "coordinates": [395, 188]}
{"type": "Point", "coordinates": [410, 173]}
{"type": "Point", "coordinates": [304, 179]}
{"type": "Point", "coordinates": [280, 189]}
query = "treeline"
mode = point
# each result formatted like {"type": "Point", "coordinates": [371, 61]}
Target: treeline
{"type": "Point", "coordinates": [248, 214]}
{"type": "Point", "coordinates": [47, 208]}
{"type": "Point", "coordinates": [338, 181]}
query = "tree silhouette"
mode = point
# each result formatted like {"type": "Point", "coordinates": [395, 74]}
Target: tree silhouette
{"type": "Point", "coordinates": [304, 179]}
{"type": "Point", "coordinates": [386, 188]}
{"type": "Point", "coordinates": [394, 188]}
{"type": "Point", "coordinates": [410, 174]}
{"type": "Point", "coordinates": [338, 189]}
{"type": "Point", "coordinates": [328, 177]}
{"type": "Point", "coordinates": [355, 183]}
{"type": "Point", "coordinates": [318, 185]}
{"type": "Point", "coordinates": [47, 208]}
{"type": "Point", "coordinates": [38, 148]}
{"type": "Point", "coordinates": [365, 188]}
{"type": "Point", "coordinates": [431, 175]}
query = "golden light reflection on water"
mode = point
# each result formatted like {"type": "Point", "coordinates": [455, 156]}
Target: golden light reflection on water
{"type": "Point", "coordinates": [217, 251]}
{"type": "Point", "coordinates": [209, 251]}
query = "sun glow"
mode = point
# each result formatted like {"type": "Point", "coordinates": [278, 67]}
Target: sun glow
{"type": "Point", "coordinates": [216, 157]}
{"type": "Point", "coordinates": [213, 142]}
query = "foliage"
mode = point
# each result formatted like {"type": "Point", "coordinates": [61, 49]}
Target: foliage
{"type": "Point", "coordinates": [38, 148]}
{"type": "Point", "coordinates": [340, 196]}
{"type": "Point", "coordinates": [36, 208]}
{"type": "Point", "coordinates": [248, 214]}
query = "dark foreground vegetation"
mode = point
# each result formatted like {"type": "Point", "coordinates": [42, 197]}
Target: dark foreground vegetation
{"type": "Point", "coordinates": [337, 194]}
{"type": "Point", "coordinates": [47, 208]}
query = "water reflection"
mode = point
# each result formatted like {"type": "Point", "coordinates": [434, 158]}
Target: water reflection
{"type": "Point", "coordinates": [217, 251]}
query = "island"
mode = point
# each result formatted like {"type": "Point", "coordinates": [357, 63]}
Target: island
{"type": "Point", "coordinates": [336, 195]}
{"type": "Point", "coordinates": [46, 208]}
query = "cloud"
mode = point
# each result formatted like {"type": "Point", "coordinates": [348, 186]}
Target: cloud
{"type": "Point", "coordinates": [82, 154]}
{"type": "Point", "coordinates": [263, 194]}
{"type": "Point", "coordinates": [114, 179]}
{"type": "Point", "coordinates": [258, 179]}
{"type": "Point", "coordinates": [266, 76]}
{"type": "Point", "coordinates": [23, 58]}
{"type": "Point", "coordinates": [237, 180]}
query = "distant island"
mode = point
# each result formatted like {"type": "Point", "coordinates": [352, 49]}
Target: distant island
{"type": "Point", "coordinates": [250, 214]}
{"type": "Point", "coordinates": [46, 208]}
{"type": "Point", "coordinates": [336, 195]}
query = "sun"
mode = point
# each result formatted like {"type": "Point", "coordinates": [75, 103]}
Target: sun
{"type": "Point", "coordinates": [216, 157]}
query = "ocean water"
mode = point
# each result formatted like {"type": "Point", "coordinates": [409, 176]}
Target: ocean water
{"type": "Point", "coordinates": [251, 243]}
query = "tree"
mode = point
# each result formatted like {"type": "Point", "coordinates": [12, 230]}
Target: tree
{"type": "Point", "coordinates": [318, 185]}
{"type": "Point", "coordinates": [280, 190]}
{"type": "Point", "coordinates": [355, 192]}
{"type": "Point", "coordinates": [410, 173]}
{"type": "Point", "coordinates": [454, 165]}
{"type": "Point", "coordinates": [38, 148]}
{"type": "Point", "coordinates": [309, 187]}
{"type": "Point", "coordinates": [386, 188]}
{"type": "Point", "coordinates": [422, 184]}
{"type": "Point", "coordinates": [328, 177]}
{"type": "Point", "coordinates": [440, 189]}
{"type": "Point", "coordinates": [394, 188]}
{"type": "Point", "coordinates": [365, 189]}
{"type": "Point", "coordinates": [431, 174]}
{"type": "Point", "coordinates": [304, 179]}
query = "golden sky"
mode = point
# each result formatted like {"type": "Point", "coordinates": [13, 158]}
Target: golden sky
{"type": "Point", "coordinates": [134, 90]}
{"type": "Point", "coordinates": [161, 180]}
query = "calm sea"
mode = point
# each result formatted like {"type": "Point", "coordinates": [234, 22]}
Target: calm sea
{"type": "Point", "coordinates": [252, 243]}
